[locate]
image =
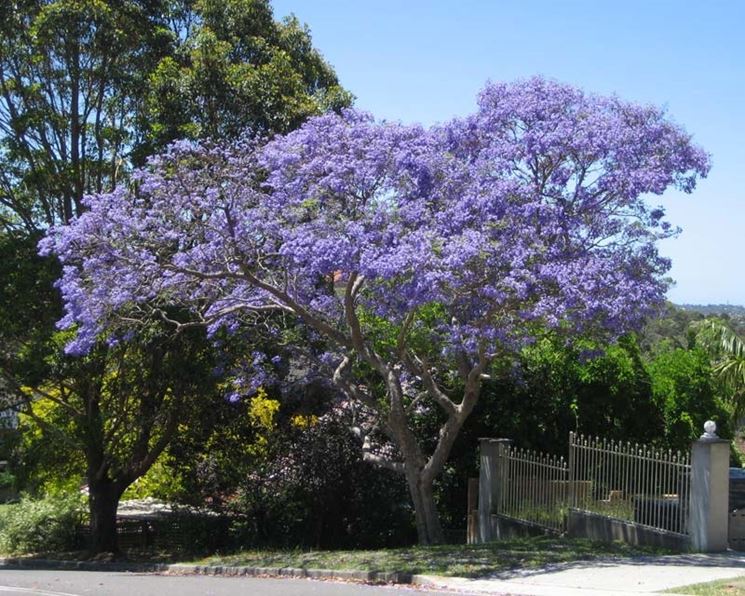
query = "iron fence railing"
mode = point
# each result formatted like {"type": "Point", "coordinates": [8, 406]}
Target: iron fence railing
{"type": "Point", "coordinates": [629, 482]}
{"type": "Point", "coordinates": [637, 483]}
{"type": "Point", "coordinates": [534, 488]}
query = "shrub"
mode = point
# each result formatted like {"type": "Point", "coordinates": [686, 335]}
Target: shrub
{"type": "Point", "coordinates": [7, 480]}
{"type": "Point", "coordinates": [313, 490]}
{"type": "Point", "coordinates": [49, 524]}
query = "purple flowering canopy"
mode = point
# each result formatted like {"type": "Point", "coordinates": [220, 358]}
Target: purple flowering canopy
{"type": "Point", "coordinates": [528, 215]}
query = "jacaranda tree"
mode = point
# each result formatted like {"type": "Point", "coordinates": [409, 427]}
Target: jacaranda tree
{"type": "Point", "coordinates": [420, 259]}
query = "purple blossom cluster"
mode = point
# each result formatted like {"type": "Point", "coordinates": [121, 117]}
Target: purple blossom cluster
{"type": "Point", "coordinates": [257, 371]}
{"type": "Point", "coordinates": [532, 212]}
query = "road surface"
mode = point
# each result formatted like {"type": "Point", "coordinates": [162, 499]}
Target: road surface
{"type": "Point", "coordinates": [33, 582]}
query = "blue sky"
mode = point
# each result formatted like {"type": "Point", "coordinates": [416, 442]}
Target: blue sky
{"type": "Point", "coordinates": [418, 61]}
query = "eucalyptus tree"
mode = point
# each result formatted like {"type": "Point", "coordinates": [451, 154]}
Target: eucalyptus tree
{"type": "Point", "coordinates": [233, 68]}
{"type": "Point", "coordinates": [71, 79]}
{"type": "Point", "coordinates": [87, 88]}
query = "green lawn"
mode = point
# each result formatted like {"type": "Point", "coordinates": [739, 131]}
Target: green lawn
{"type": "Point", "coordinates": [722, 587]}
{"type": "Point", "coordinates": [453, 560]}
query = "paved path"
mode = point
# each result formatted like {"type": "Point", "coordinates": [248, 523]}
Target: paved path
{"type": "Point", "coordinates": [646, 575]}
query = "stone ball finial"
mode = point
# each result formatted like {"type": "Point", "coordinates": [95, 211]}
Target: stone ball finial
{"type": "Point", "coordinates": [710, 430]}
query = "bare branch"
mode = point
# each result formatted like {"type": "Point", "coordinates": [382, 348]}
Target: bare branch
{"type": "Point", "coordinates": [404, 331]}
{"type": "Point", "coordinates": [379, 460]}
{"type": "Point", "coordinates": [341, 380]}
{"type": "Point", "coordinates": [421, 369]}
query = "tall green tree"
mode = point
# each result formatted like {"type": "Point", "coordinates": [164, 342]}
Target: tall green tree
{"type": "Point", "coordinates": [686, 391]}
{"type": "Point", "coordinates": [235, 68]}
{"type": "Point", "coordinates": [108, 415]}
{"type": "Point", "coordinates": [73, 78]}
{"type": "Point", "coordinates": [89, 88]}
{"type": "Point", "coordinates": [116, 412]}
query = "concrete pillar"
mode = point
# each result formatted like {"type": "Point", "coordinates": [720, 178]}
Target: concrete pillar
{"type": "Point", "coordinates": [708, 516]}
{"type": "Point", "coordinates": [491, 482]}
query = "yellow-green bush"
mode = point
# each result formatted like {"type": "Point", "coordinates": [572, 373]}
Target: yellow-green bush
{"type": "Point", "coordinates": [43, 525]}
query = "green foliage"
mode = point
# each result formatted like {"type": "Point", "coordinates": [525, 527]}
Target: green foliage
{"type": "Point", "coordinates": [113, 411]}
{"type": "Point", "coordinates": [686, 391]}
{"type": "Point", "coordinates": [7, 480]}
{"type": "Point", "coordinates": [29, 307]}
{"type": "Point", "coordinates": [237, 68]}
{"type": "Point", "coordinates": [90, 87]}
{"type": "Point", "coordinates": [553, 389]}
{"type": "Point", "coordinates": [612, 391]}
{"type": "Point", "coordinates": [670, 330]}
{"type": "Point", "coordinates": [556, 388]}
{"type": "Point", "coordinates": [160, 482]}
{"type": "Point", "coordinates": [293, 476]}
{"type": "Point", "coordinates": [33, 526]}
{"type": "Point", "coordinates": [29, 345]}
{"type": "Point", "coordinates": [605, 388]}
{"type": "Point", "coordinates": [216, 446]}
{"type": "Point", "coordinates": [73, 74]}
{"type": "Point", "coordinates": [51, 461]}
{"type": "Point", "coordinates": [726, 349]}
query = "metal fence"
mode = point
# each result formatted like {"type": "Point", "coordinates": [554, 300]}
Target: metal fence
{"type": "Point", "coordinates": [637, 483]}
{"type": "Point", "coordinates": [535, 487]}
{"type": "Point", "coordinates": [181, 532]}
{"type": "Point", "coordinates": [630, 482]}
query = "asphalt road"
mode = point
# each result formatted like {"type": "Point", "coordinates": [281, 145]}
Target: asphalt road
{"type": "Point", "coordinates": [79, 583]}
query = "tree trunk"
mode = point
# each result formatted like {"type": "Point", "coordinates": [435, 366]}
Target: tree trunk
{"type": "Point", "coordinates": [429, 529]}
{"type": "Point", "coordinates": [103, 502]}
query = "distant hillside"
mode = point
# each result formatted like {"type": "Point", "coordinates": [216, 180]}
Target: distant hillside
{"type": "Point", "coordinates": [731, 310]}
{"type": "Point", "coordinates": [673, 327]}
{"type": "Point", "coordinates": [735, 313]}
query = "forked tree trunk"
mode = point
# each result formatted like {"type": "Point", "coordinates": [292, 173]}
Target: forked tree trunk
{"type": "Point", "coordinates": [103, 502]}
{"type": "Point", "coordinates": [420, 473]}
{"type": "Point", "coordinates": [418, 469]}
{"type": "Point", "coordinates": [429, 529]}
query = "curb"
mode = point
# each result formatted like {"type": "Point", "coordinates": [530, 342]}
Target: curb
{"type": "Point", "coordinates": [387, 577]}
{"type": "Point", "coordinates": [372, 577]}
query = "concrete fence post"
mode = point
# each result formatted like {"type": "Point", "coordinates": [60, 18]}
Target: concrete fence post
{"type": "Point", "coordinates": [708, 517]}
{"type": "Point", "coordinates": [492, 479]}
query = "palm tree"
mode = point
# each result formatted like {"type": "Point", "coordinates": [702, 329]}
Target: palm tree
{"type": "Point", "coordinates": [727, 350]}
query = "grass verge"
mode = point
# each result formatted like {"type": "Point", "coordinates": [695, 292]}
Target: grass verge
{"type": "Point", "coordinates": [450, 560]}
{"type": "Point", "coordinates": [722, 587]}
